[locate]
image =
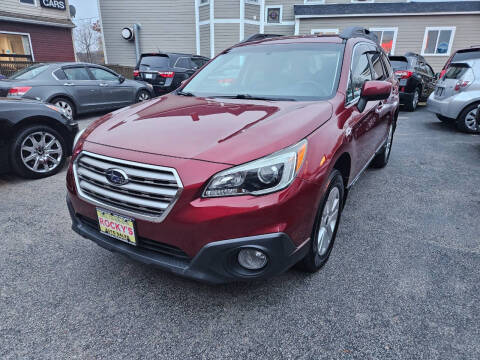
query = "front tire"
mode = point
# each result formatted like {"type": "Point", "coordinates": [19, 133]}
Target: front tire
{"type": "Point", "coordinates": [37, 152]}
{"type": "Point", "coordinates": [467, 121]}
{"type": "Point", "coordinates": [326, 224]}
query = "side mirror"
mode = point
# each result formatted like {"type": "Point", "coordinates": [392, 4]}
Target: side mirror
{"type": "Point", "coordinates": [373, 91]}
{"type": "Point", "coordinates": [121, 79]}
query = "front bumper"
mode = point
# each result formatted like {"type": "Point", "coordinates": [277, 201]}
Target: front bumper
{"type": "Point", "coordinates": [215, 263]}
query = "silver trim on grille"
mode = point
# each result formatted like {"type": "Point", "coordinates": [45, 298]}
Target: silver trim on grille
{"type": "Point", "coordinates": [149, 195]}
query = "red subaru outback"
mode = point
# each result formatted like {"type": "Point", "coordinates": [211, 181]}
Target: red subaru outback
{"type": "Point", "coordinates": [242, 172]}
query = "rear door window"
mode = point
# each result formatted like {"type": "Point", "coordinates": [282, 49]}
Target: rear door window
{"type": "Point", "coordinates": [154, 62]}
{"type": "Point", "coordinates": [76, 73]}
{"type": "Point", "coordinates": [104, 75]}
{"type": "Point", "coordinates": [183, 63]}
{"type": "Point", "coordinates": [387, 66]}
{"type": "Point", "coordinates": [198, 62]}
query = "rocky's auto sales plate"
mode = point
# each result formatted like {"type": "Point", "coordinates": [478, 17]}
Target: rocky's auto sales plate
{"type": "Point", "coordinates": [117, 226]}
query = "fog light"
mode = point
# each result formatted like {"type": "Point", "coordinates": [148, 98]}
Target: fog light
{"type": "Point", "coordinates": [252, 259]}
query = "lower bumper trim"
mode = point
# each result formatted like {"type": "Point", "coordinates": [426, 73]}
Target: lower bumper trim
{"type": "Point", "coordinates": [215, 263]}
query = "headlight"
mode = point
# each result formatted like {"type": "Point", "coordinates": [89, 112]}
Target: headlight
{"type": "Point", "coordinates": [75, 140]}
{"type": "Point", "coordinates": [263, 176]}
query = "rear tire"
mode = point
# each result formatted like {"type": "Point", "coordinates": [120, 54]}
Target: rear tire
{"type": "Point", "coordinates": [412, 104]}
{"type": "Point", "coordinates": [66, 105]}
{"type": "Point", "coordinates": [38, 151]}
{"type": "Point", "coordinates": [381, 159]}
{"type": "Point", "coordinates": [326, 225]}
{"type": "Point", "coordinates": [467, 122]}
{"type": "Point", "coordinates": [143, 95]}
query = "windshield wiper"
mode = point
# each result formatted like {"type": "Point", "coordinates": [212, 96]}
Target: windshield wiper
{"type": "Point", "coordinates": [254, 97]}
{"type": "Point", "coordinates": [183, 93]}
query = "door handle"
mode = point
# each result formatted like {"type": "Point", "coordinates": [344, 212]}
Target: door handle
{"type": "Point", "coordinates": [69, 84]}
{"type": "Point", "coordinates": [103, 85]}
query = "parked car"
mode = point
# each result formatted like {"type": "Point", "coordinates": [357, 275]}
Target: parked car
{"type": "Point", "coordinates": [166, 71]}
{"type": "Point", "coordinates": [35, 137]}
{"type": "Point", "coordinates": [417, 79]}
{"type": "Point", "coordinates": [242, 179]}
{"type": "Point", "coordinates": [2, 76]}
{"type": "Point", "coordinates": [78, 88]}
{"type": "Point", "coordinates": [457, 96]}
{"type": "Point", "coordinates": [470, 53]}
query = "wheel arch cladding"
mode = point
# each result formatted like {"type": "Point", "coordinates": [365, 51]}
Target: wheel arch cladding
{"type": "Point", "coordinates": [343, 164]}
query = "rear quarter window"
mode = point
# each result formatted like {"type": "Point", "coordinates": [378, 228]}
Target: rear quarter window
{"type": "Point", "coordinates": [59, 74]}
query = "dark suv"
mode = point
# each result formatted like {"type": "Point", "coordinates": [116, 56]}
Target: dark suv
{"type": "Point", "coordinates": [166, 71]}
{"type": "Point", "coordinates": [417, 79]}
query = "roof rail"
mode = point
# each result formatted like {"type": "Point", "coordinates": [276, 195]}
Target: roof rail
{"type": "Point", "coordinates": [357, 31]}
{"type": "Point", "coordinates": [256, 37]}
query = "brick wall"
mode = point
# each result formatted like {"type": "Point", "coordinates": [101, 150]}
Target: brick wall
{"type": "Point", "coordinates": [49, 43]}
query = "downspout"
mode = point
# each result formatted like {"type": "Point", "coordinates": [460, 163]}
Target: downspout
{"type": "Point", "coordinates": [136, 34]}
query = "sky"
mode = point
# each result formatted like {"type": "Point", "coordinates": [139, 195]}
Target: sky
{"type": "Point", "coordinates": [86, 9]}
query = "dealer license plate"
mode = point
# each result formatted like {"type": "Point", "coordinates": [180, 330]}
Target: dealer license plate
{"type": "Point", "coordinates": [148, 76]}
{"type": "Point", "coordinates": [117, 226]}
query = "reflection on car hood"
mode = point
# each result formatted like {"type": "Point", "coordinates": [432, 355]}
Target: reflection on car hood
{"type": "Point", "coordinates": [217, 130]}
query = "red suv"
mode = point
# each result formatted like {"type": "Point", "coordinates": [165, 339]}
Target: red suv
{"type": "Point", "coordinates": [244, 171]}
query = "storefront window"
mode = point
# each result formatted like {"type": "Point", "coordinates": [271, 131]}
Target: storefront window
{"type": "Point", "coordinates": [15, 47]}
{"type": "Point", "coordinates": [387, 38]}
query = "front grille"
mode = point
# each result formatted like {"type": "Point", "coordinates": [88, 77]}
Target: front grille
{"type": "Point", "coordinates": [149, 195]}
{"type": "Point", "coordinates": [145, 243]}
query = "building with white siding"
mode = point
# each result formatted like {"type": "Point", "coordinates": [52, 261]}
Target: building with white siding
{"type": "Point", "coordinates": [206, 27]}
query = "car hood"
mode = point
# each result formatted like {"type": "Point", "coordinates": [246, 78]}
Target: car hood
{"type": "Point", "coordinates": [217, 130]}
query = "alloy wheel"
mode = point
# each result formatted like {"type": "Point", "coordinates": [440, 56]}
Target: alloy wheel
{"type": "Point", "coordinates": [65, 106]}
{"type": "Point", "coordinates": [471, 121]}
{"type": "Point", "coordinates": [388, 146]}
{"type": "Point", "coordinates": [41, 152]}
{"type": "Point", "coordinates": [328, 221]}
{"type": "Point", "coordinates": [143, 96]}
{"type": "Point", "coordinates": [416, 98]}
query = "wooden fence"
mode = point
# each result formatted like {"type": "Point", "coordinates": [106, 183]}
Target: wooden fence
{"type": "Point", "coordinates": [8, 68]}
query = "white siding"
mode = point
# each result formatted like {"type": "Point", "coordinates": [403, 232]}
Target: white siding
{"type": "Point", "coordinates": [252, 12]}
{"type": "Point", "coordinates": [164, 27]}
{"type": "Point", "coordinates": [280, 29]}
{"type": "Point", "coordinates": [205, 40]}
{"type": "Point", "coordinates": [227, 9]}
{"type": "Point", "coordinates": [251, 30]}
{"type": "Point", "coordinates": [411, 30]}
{"type": "Point", "coordinates": [204, 12]}
{"type": "Point", "coordinates": [226, 35]}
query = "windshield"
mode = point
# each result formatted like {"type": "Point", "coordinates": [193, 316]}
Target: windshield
{"type": "Point", "coordinates": [307, 71]}
{"type": "Point", "coordinates": [29, 72]}
{"type": "Point", "coordinates": [155, 61]}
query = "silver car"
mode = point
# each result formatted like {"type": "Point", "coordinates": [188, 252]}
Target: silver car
{"type": "Point", "coordinates": [457, 96]}
{"type": "Point", "coordinates": [76, 87]}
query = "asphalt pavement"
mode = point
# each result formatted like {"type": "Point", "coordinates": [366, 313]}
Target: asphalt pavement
{"type": "Point", "coordinates": [403, 281]}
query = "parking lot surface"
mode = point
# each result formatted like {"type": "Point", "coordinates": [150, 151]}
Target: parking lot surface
{"type": "Point", "coordinates": [403, 281]}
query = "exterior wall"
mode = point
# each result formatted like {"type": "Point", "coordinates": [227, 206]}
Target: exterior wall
{"type": "Point", "coordinates": [280, 29]}
{"type": "Point", "coordinates": [411, 30]}
{"type": "Point", "coordinates": [204, 12]}
{"type": "Point", "coordinates": [226, 35]}
{"type": "Point", "coordinates": [48, 43]}
{"type": "Point", "coordinates": [160, 20]}
{"type": "Point", "coordinates": [287, 8]}
{"type": "Point", "coordinates": [205, 40]}
{"type": "Point", "coordinates": [16, 7]}
{"type": "Point", "coordinates": [349, 1]}
{"type": "Point", "coordinates": [252, 12]}
{"type": "Point", "coordinates": [227, 9]}
{"type": "Point", "coordinates": [251, 30]}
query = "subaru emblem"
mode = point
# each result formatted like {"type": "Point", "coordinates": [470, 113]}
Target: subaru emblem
{"type": "Point", "coordinates": [116, 176]}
